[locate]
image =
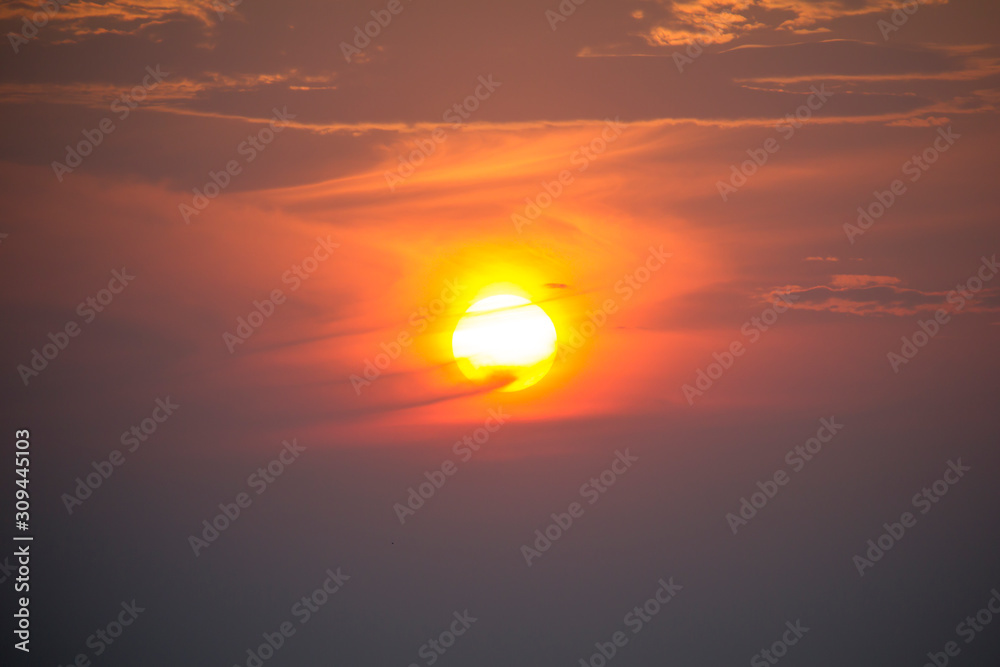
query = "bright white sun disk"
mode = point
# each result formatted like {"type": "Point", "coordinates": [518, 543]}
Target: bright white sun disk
{"type": "Point", "coordinates": [505, 336]}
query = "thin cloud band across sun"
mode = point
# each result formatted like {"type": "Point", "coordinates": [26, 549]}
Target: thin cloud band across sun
{"type": "Point", "coordinates": [505, 337]}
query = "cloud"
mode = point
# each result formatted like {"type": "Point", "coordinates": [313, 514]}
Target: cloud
{"type": "Point", "coordinates": [705, 22]}
{"type": "Point", "coordinates": [860, 280]}
{"type": "Point", "coordinates": [270, 59]}
{"type": "Point", "coordinates": [721, 21]}
{"type": "Point", "coordinates": [881, 296]}
{"type": "Point", "coordinates": [99, 95]}
{"type": "Point", "coordinates": [929, 121]}
{"type": "Point", "coordinates": [80, 20]}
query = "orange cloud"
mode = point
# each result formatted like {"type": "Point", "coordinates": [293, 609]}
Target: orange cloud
{"type": "Point", "coordinates": [721, 21]}
{"type": "Point", "coordinates": [862, 280]}
{"type": "Point", "coordinates": [880, 295]}
{"type": "Point", "coordinates": [80, 19]}
{"type": "Point", "coordinates": [172, 89]}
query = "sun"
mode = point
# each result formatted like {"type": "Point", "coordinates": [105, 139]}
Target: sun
{"type": "Point", "coordinates": [505, 338]}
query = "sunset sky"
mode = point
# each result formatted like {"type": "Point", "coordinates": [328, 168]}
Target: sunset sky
{"type": "Point", "coordinates": [742, 216]}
